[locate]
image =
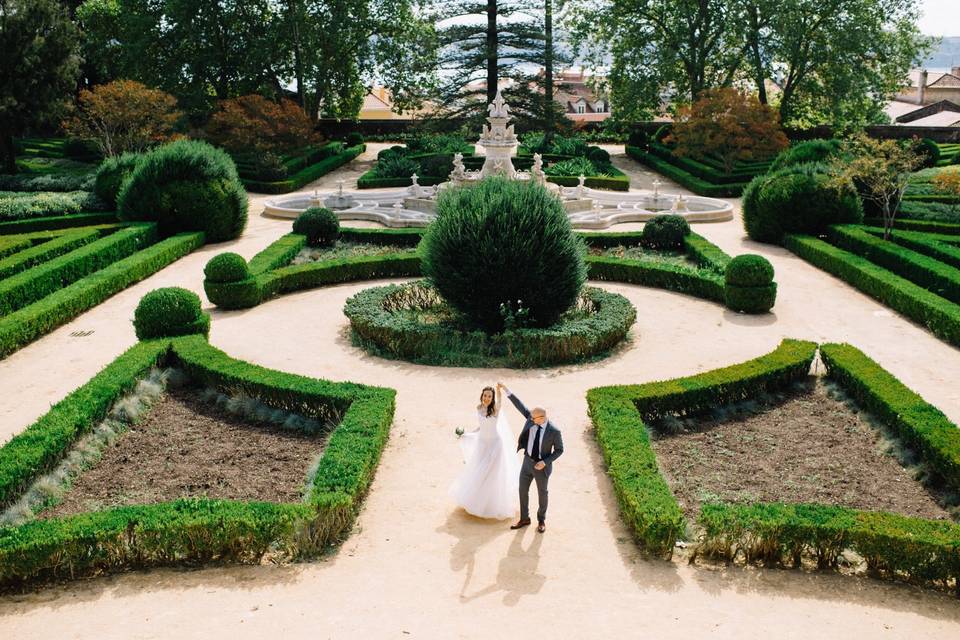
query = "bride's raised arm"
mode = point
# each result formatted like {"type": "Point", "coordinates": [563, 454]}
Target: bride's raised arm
{"type": "Point", "coordinates": [496, 407]}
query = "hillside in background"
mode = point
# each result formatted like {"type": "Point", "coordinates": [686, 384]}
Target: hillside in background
{"type": "Point", "coordinates": [946, 56]}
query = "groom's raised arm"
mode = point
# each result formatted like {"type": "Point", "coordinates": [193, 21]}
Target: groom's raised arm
{"type": "Point", "coordinates": [516, 402]}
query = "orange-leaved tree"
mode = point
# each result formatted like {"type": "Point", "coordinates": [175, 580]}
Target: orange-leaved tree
{"type": "Point", "coordinates": [727, 124]}
{"type": "Point", "coordinates": [948, 182]}
{"type": "Point", "coordinates": [255, 123]}
{"type": "Point", "coordinates": [124, 115]}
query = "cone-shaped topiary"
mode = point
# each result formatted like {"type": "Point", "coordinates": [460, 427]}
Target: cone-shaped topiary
{"type": "Point", "coordinates": [320, 225]}
{"type": "Point", "coordinates": [797, 199]}
{"type": "Point", "coordinates": [749, 285]}
{"type": "Point", "coordinates": [112, 174]}
{"type": "Point", "coordinates": [169, 312]}
{"type": "Point", "coordinates": [665, 232]}
{"type": "Point", "coordinates": [186, 185]}
{"type": "Point", "coordinates": [226, 267]}
{"type": "Point", "coordinates": [504, 248]}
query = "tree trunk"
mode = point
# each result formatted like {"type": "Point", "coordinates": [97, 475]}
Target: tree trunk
{"type": "Point", "coordinates": [8, 153]}
{"type": "Point", "coordinates": [548, 123]}
{"type": "Point", "coordinates": [297, 53]}
{"type": "Point", "coordinates": [492, 46]}
{"type": "Point", "coordinates": [759, 75]}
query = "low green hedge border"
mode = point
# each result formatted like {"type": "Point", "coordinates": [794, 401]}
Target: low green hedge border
{"type": "Point", "coordinates": [704, 170]}
{"type": "Point", "coordinates": [270, 276]}
{"type": "Point", "coordinates": [618, 412]}
{"type": "Point", "coordinates": [52, 275]}
{"type": "Point", "coordinates": [937, 314]}
{"type": "Point", "coordinates": [941, 247]}
{"type": "Point", "coordinates": [34, 320]}
{"type": "Point", "coordinates": [46, 250]}
{"type": "Point", "coordinates": [56, 222]}
{"type": "Point", "coordinates": [920, 425]}
{"type": "Point", "coordinates": [893, 546]}
{"type": "Point", "coordinates": [685, 178]}
{"type": "Point", "coordinates": [307, 174]}
{"type": "Point", "coordinates": [928, 272]}
{"type": "Point", "coordinates": [929, 226]}
{"type": "Point", "coordinates": [376, 326]}
{"type": "Point", "coordinates": [192, 531]}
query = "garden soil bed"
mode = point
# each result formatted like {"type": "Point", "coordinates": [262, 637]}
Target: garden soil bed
{"type": "Point", "coordinates": [804, 446]}
{"type": "Point", "coordinates": [344, 249]}
{"type": "Point", "coordinates": [186, 447]}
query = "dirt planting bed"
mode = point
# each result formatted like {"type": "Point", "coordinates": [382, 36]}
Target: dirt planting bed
{"type": "Point", "coordinates": [188, 447]}
{"type": "Point", "coordinates": [808, 445]}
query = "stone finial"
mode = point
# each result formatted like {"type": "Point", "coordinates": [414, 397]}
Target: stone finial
{"type": "Point", "coordinates": [498, 108]}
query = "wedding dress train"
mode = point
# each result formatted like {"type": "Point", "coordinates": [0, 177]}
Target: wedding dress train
{"type": "Point", "coordinates": [489, 484]}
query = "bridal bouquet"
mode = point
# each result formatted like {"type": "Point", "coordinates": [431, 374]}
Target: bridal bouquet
{"type": "Point", "coordinates": [458, 431]}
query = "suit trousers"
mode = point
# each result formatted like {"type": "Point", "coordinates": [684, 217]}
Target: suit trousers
{"type": "Point", "coordinates": [527, 475]}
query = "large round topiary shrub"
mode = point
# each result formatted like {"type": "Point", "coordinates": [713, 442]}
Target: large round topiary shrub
{"type": "Point", "coordinates": [169, 312]}
{"type": "Point", "coordinates": [665, 232]}
{"type": "Point", "coordinates": [797, 199]}
{"type": "Point", "coordinates": [187, 186]}
{"type": "Point", "coordinates": [818, 150]}
{"type": "Point", "coordinates": [112, 174]}
{"type": "Point", "coordinates": [749, 285]}
{"type": "Point", "coordinates": [320, 225]}
{"type": "Point", "coordinates": [354, 138]}
{"type": "Point", "coordinates": [503, 248]}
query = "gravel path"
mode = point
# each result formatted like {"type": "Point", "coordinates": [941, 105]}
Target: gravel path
{"type": "Point", "coordinates": [415, 567]}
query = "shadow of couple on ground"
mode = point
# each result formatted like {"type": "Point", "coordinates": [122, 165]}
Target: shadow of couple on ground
{"type": "Point", "coordinates": [517, 572]}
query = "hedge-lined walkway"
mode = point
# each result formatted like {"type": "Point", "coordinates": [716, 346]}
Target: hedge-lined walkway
{"type": "Point", "coordinates": [414, 564]}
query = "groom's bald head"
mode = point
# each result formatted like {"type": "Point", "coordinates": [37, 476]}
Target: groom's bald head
{"type": "Point", "coordinates": [538, 415]}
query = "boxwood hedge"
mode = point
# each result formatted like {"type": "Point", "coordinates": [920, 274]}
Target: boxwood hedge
{"type": "Point", "coordinates": [192, 530]}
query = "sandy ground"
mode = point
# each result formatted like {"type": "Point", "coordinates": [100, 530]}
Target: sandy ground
{"type": "Point", "coordinates": [417, 567]}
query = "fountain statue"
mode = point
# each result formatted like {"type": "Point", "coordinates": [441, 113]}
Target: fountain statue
{"type": "Point", "coordinates": [415, 206]}
{"type": "Point", "coordinates": [499, 141]}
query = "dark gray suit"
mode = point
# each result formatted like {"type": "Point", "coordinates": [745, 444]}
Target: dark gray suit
{"type": "Point", "coordinates": [551, 448]}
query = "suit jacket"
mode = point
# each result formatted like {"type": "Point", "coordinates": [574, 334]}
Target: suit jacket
{"type": "Point", "coordinates": [551, 442]}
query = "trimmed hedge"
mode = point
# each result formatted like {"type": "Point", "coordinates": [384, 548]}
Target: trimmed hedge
{"type": "Point", "coordinates": [685, 178]}
{"type": "Point", "coordinates": [32, 321]}
{"type": "Point", "coordinates": [169, 312]}
{"type": "Point", "coordinates": [193, 530]}
{"type": "Point", "coordinates": [42, 280]}
{"type": "Point", "coordinates": [307, 174]}
{"type": "Point", "coordinates": [930, 226]}
{"type": "Point", "coordinates": [930, 273]}
{"type": "Point", "coordinates": [618, 412]}
{"type": "Point", "coordinates": [46, 250]}
{"type": "Point", "coordinates": [940, 316]}
{"type": "Point", "coordinates": [374, 319]}
{"type": "Point", "coordinates": [941, 247]}
{"type": "Point", "coordinates": [56, 222]}
{"type": "Point", "coordinates": [920, 425]}
{"type": "Point", "coordinates": [748, 284]}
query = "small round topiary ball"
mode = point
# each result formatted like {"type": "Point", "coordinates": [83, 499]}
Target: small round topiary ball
{"type": "Point", "coordinates": [749, 285]}
{"type": "Point", "coordinates": [665, 232]}
{"type": "Point", "coordinates": [501, 246]}
{"type": "Point", "coordinates": [749, 270]}
{"type": "Point", "coordinates": [354, 138]}
{"type": "Point", "coordinates": [226, 267]}
{"type": "Point", "coordinates": [170, 312]}
{"type": "Point", "coordinates": [186, 185]}
{"type": "Point", "coordinates": [320, 225]}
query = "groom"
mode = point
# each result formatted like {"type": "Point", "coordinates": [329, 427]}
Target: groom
{"type": "Point", "coordinates": [542, 444]}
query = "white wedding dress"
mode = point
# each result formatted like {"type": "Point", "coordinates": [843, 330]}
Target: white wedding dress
{"type": "Point", "coordinates": [489, 484]}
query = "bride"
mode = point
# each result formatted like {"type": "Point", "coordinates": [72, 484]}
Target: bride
{"type": "Point", "coordinates": [488, 485]}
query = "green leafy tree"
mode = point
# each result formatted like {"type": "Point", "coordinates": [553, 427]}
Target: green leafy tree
{"type": "Point", "coordinates": [881, 170]}
{"type": "Point", "coordinates": [38, 70]}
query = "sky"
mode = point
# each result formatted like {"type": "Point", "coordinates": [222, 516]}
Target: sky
{"type": "Point", "coordinates": [940, 18]}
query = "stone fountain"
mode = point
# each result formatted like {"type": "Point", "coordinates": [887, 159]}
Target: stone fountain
{"type": "Point", "coordinates": [587, 208]}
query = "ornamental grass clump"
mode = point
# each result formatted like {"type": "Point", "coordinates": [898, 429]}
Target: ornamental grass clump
{"type": "Point", "coordinates": [503, 242]}
{"type": "Point", "coordinates": [186, 186]}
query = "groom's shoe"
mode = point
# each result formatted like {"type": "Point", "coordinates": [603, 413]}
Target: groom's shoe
{"type": "Point", "coordinates": [521, 524]}
{"type": "Point", "coordinates": [541, 527]}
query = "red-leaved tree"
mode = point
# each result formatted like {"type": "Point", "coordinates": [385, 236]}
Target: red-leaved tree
{"type": "Point", "coordinates": [730, 125]}
{"type": "Point", "coordinates": [124, 115]}
{"type": "Point", "coordinates": [255, 123]}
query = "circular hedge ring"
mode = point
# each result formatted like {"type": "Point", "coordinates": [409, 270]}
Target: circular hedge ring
{"type": "Point", "coordinates": [412, 322]}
